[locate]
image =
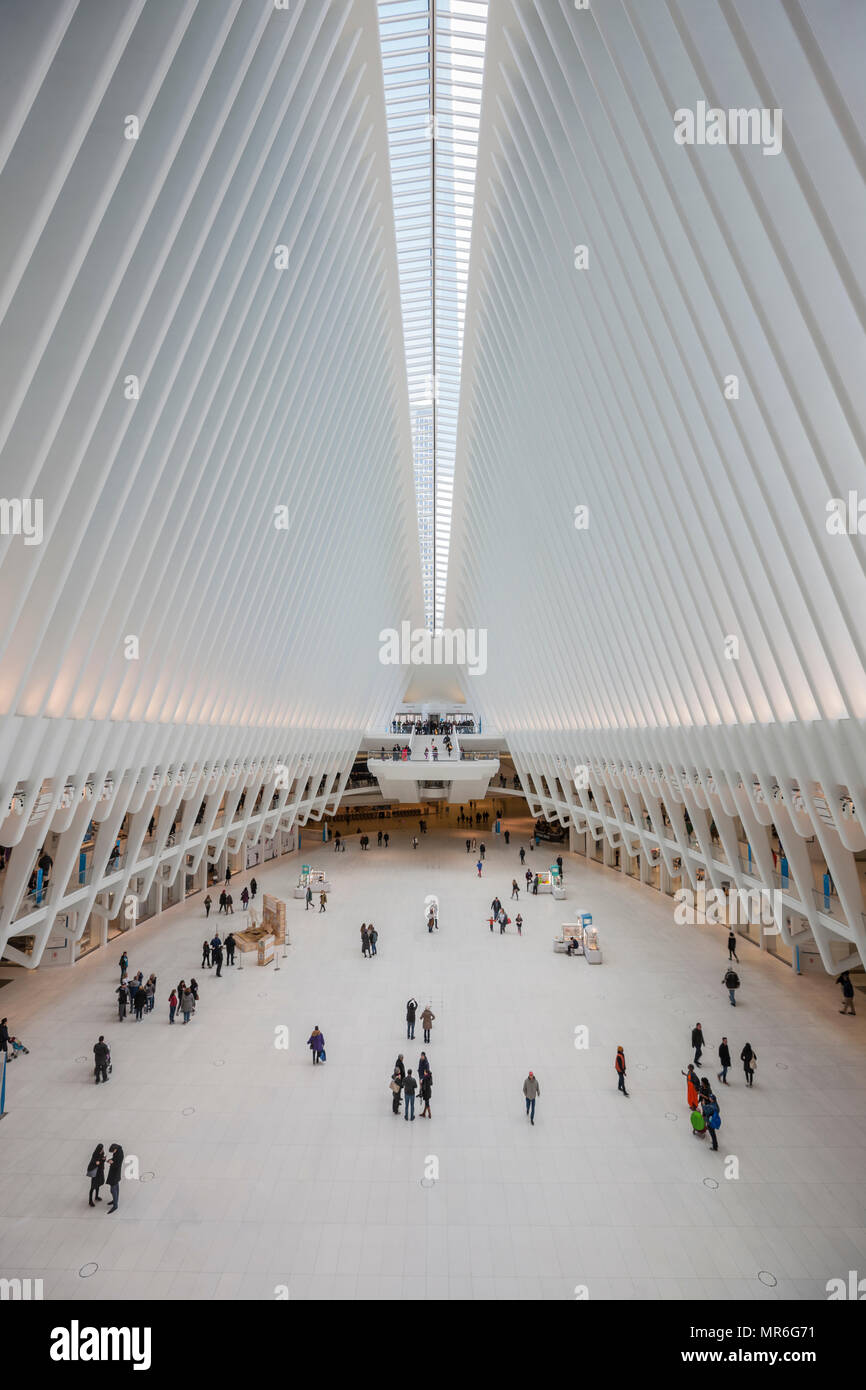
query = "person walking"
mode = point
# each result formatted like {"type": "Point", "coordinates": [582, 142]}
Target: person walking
{"type": "Point", "coordinates": [425, 1092]}
{"type": "Point", "coordinates": [172, 1006]}
{"type": "Point", "coordinates": [724, 1061]}
{"type": "Point", "coordinates": [712, 1118]}
{"type": "Point", "coordinates": [186, 1004]}
{"type": "Point", "coordinates": [531, 1092]}
{"type": "Point", "coordinates": [468, 846]}
{"type": "Point", "coordinates": [507, 835]}
{"type": "Point", "coordinates": [515, 889]}
{"type": "Point", "coordinates": [387, 839]}
{"type": "Point", "coordinates": [140, 1001]}
{"type": "Point", "coordinates": [365, 940]}
{"type": "Point", "coordinates": [847, 993]}
{"type": "Point", "coordinates": [205, 954]}
{"type": "Point", "coordinates": [218, 961]}
{"type": "Point", "coordinates": [96, 1174]}
{"type": "Point", "coordinates": [411, 1010]}
{"type": "Point", "coordinates": [732, 947]}
{"type": "Point", "coordinates": [619, 1063]}
{"type": "Point", "coordinates": [316, 1044]}
{"type": "Point", "coordinates": [230, 949]}
{"type": "Point", "coordinates": [228, 877]}
{"type": "Point", "coordinates": [150, 991]}
{"type": "Point", "coordinates": [207, 905]}
{"type": "Point", "coordinates": [115, 1173]}
{"type": "Point", "coordinates": [222, 902]}
{"type": "Point", "coordinates": [697, 1043]}
{"type": "Point", "coordinates": [396, 1085]}
{"type": "Point", "coordinates": [410, 1086]}
{"type": "Point", "coordinates": [522, 856]}
{"type": "Point", "coordinates": [373, 937]}
{"type": "Point", "coordinates": [749, 1059]}
{"type": "Point", "coordinates": [478, 867]}
{"type": "Point", "coordinates": [230, 904]}
{"type": "Point", "coordinates": [309, 898]}
{"type": "Point", "coordinates": [323, 900]}
{"type": "Point", "coordinates": [482, 849]}
{"type": "Point", "coordinates": [427, 1018]}
{"type": "Point", "coordinates": [731, 981]}
{"type": "Point", "coordinates": [414, 841]}
{"type": "Point", "coordinates": [518, 922]}
{"type": "Point", "coordinates": [254, 888]}
{"type": "Point", "coordinates": [559, 866]}
{"type": "Point", "coordinates": [100, 1057]}
{"type": "Point", "coordinates": [692, 1087]}
{"type": "Point", "coordinates": [245, 898]}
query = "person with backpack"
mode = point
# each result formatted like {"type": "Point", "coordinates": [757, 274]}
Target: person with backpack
{"type": "Point", "coordinates": [619, 1063]}
{"type": "Point", "coordinates": [712, 1118]}
{"type": "Point", "coordinates": [847, 993]}
{"type": "Point", "coordinates": [124, 964]}
{"type": "Point", "coordinates": [749, 1059]}
{"type": "Point", "coordinates": [724, 1061]}
{"type": "Point", "coordinates": [396, 1086]}
{"type": "Point", "coordinates": [731, 981]}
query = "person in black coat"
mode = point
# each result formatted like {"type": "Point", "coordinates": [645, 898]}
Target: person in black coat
{"type": "Point", "coordinates": [732, 948]}
{"type": "Point", "coordinates": [424, 1091]}
{"type": "Point", "coordinates": [747, 1056]}
{"type": "Point", "coordinates": [724, 1061]}
{"type": "Point", "coordinates": [697, 1043]}
{"type": "Point", "coordinates": [96, 1173]}
{"type": "Point", "coordinates": [4, 1036]}
{"type": "Point", "coordinates": [100, 1056]}
{"type": "Point", "coordinates": [115, 1173]}
{"type": "Point", "coordinates": [140, 1002]}
{"type": "Point", "coordinates": [230, 949]}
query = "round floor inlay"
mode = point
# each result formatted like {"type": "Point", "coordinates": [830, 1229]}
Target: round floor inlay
{"type": "Point", "coordinates": [219, 1062]}
{"type": "Point", "coordinates": [86, 1270]}
{"type": "Point", "coordinates": [642, 1066]}
{"type": "Point", "coordinates": [190, 1110]}
{"type": "Point", "coordinates": [767, 1278]}
{"type": "Point", "coordinates": [710, 1182]}
{"type": "Point", "coordinates": [428, 1182]}
{"type": "Point", "coordinates": [147, 1177]}
{"type": "Point", "coordinates": [671, 1115]}
{"type": "Point", "coordinates": [263, 994]}
{"type": "Point", "coordinates": [783, 1066]}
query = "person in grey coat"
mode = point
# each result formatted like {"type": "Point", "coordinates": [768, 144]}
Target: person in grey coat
{"type": "Point", "coordinates": [531, 1092]}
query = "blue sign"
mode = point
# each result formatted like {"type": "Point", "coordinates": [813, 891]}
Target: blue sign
{"type": "Point", "coordinates": [586, 919]}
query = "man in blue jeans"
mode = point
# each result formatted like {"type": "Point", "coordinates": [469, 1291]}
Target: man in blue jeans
{"type": "Point", "coordinates": [115, 1173]}
{"type": "Point", "coordinates": [411, 1010]}
{"type": "Point", "coordinates": [410, 1085]}
{"type": "Point", "coordinates": [531, 1090]}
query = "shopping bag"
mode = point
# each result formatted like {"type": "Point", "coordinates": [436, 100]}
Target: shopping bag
{"type": "Point", "coordinates": [322, 1056]}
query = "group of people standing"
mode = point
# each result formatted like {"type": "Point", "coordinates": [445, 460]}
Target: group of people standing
{"type": "Point", "coordinates": [97, 1174]}
{"type": "Point", "coordinates": [501, 918]}
{"type": "Point", "coordinates": [136, 994]}
{"type": "Point", "coordinates": [369, 938]}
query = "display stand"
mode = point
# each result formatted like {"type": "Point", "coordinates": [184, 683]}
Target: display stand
{"type": "Point", "coordinates": [315, 879]}
{"type": "Point", "coordinates": [569, 931]}
{"type": "Point", "coordinates": [590, 942]}
{"type": "Point", "coordinates": [256, 940]}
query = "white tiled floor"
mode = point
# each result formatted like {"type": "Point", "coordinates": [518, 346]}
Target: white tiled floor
{"type": "Point", "coordinates": [286, 1174]}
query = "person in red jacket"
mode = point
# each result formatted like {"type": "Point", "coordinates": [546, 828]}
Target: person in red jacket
{"type": "Point", "coordinates": [620, 1070]}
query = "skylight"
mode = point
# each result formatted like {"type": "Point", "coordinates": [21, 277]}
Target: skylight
{"type": "Point", "coordinates": [433, 60]}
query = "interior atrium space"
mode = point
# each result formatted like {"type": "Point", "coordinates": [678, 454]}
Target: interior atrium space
{"type": "Point", "coordinates": [433, 665]}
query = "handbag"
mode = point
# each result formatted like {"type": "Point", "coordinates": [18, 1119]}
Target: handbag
{"type": "Point", "coordinates": [395, 1086]}
{"type": "Point", "coordinates": [322, 1056]}
{"type": "Point", "coordinates": [91, 1172]}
